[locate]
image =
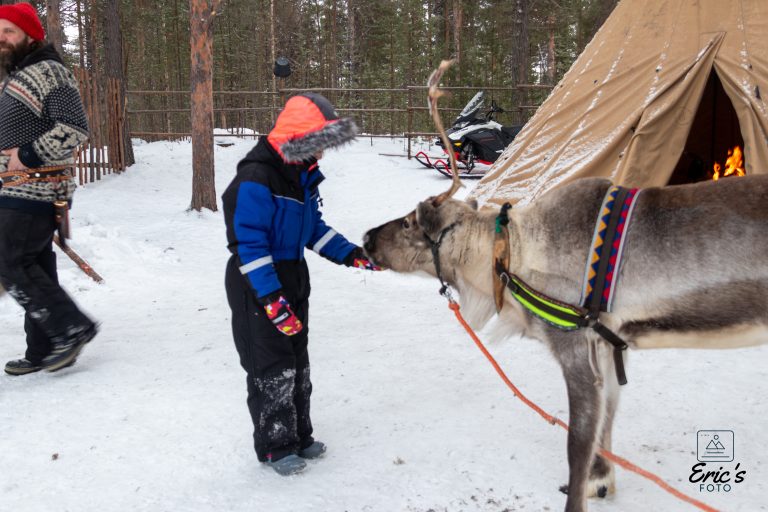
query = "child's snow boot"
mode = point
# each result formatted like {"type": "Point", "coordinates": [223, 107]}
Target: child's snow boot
{"type": "Point", "coordinates": [313, 451]}
{"type": "Point", "coordinates": [288, 465]}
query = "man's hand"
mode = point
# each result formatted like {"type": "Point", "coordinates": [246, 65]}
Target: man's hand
{"type": "Point", "coordinates": [281, 314]}
{"type": "Point", "coordinates": [14, 164]}
{"type": "Point", "coordinates": [358, 259]}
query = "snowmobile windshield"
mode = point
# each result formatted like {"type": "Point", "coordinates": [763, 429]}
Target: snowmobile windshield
{"type": "Point", "coordinates": [471, 109]}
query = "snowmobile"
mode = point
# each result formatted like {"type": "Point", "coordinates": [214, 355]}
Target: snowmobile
{"type": "Point", "coordinates": [475, 139]}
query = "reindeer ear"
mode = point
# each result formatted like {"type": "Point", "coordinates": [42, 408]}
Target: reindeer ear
{"type": "Point", "coordinates": [472, 203]}
{"type": "Point", "coordinates": [428, 217]}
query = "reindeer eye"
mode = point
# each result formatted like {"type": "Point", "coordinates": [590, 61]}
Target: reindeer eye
{"type": "Point", "coordinates": [406, 224]}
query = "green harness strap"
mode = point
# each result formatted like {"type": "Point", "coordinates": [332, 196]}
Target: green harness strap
{"type": "Point", "coordinates": [560, 315]}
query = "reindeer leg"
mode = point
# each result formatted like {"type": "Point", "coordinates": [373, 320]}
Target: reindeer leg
{"type": "Point", "coordinates": [586, 404]}
{"type": "Point", "coordinates": [602, 478]}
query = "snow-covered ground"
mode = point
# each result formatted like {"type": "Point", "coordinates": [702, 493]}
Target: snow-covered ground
{"type": "Point", "coordinates": [153, 416]}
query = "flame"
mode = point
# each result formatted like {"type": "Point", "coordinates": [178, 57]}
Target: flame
{"type": "Point", "coordinates": [734, 165]}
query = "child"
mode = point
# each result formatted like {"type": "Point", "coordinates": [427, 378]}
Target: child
{"type": "Point", "coordinates": [271, 212]}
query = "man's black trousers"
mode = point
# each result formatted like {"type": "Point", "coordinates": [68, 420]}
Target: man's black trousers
{"type": "Point", "coordinates": [277, 365]}
{"type": "Point", "coordinates": [28, 273]}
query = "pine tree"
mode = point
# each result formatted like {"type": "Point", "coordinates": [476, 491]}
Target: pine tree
{"type": "Point", "coordinates": [202, 15]}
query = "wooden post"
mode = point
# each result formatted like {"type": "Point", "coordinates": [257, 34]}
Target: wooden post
{"type": "Point", "coordinates": [202, 14]}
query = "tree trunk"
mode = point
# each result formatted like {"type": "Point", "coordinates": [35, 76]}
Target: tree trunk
{"type": "Point", "coordinates": [521, 42]}
{"type": "Point", "coordinates": [95, 66]}
{"type": "Point", "coordinates": [520, 58]}
{"type": "Point", "coordinates": [446, 29]}
{"type": "Point", "coordinates": [458, 22]}
{"type": "Point", "coordinates": [273, 55]}
{"type": "Point", "coordinates": [552, 26]}
{"type": "Point", "coordinates": [354, 43]}
{"type": "Point", "coordinates": [54, 32]}
{"type": "Point", "coordinates": [120, 143]}
{"type": "Point", "coordinates": [202, 14]}
{"type": "Point", "coordinates": [581, 38]}
{"type": "Point", "coordinates": [606, 8]}
{"type": "Point", "coordinates": [80, 33]}
{"type": "Point", "coordinates": [165, 66]}
{"type": "Point", "coordinates": [180, 81]}
{"type": "Point", "coordinates": [334, 81]}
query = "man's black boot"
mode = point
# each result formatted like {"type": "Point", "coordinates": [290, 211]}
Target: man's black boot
{"type": "Point", "coordinates": [65, 351]}
{"type": "Point", "coordinates": [21, 367]}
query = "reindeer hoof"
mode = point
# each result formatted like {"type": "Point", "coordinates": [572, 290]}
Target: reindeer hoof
{"type": "Point", "coordinates": [602, 491]}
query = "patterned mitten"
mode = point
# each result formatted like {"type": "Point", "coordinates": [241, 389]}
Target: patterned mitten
{"type": "Point", "coordinates": [281, 314]}
{"type": "Point", "coordinates": [358, 259]}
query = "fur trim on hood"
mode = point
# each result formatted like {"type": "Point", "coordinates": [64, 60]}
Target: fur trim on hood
{"type": "Point", "coordinates": [307, 125]}
{"type": "Point", "coordinates": [334, 134]}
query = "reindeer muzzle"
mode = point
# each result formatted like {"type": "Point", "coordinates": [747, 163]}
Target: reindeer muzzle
{"type": "Point", "coordinates": [369, 241]}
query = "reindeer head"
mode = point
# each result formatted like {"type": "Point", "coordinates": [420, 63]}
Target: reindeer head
{"type": "Point", "coordinates": [404, 244]}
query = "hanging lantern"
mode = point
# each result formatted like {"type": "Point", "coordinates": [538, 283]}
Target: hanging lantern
{"type": "Point", "coordinates": [282, 68]}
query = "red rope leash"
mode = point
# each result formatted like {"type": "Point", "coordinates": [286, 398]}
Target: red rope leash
{"type": "Point", "coordinates": [557, 421]}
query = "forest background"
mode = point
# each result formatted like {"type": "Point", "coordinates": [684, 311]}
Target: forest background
{"type": "Point", "coordinates": [332, 44]}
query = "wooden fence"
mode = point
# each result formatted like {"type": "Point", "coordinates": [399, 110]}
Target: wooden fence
{"type": "Point", "coordinates": [157, 115]}
{"type": "Point", "coordinates": [105, 151]}
{"type": "Point", "coordinates": [382, 112]}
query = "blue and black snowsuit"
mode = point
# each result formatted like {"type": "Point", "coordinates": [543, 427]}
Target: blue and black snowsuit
{"type": "Point", "coordinates": [271, 212]}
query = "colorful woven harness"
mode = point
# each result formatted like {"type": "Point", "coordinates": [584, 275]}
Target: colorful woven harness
{"type": "Point", "coordinates": [607, 247]}
{"type": "Point", "coordinates": [602, 269]}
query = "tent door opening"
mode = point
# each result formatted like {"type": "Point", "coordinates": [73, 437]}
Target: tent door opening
{"type": "Point", "coordinates": [715, 131]}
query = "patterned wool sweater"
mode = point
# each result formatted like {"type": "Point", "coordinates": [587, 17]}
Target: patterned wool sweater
{"type": "Point", "coordinates": [42, 115]}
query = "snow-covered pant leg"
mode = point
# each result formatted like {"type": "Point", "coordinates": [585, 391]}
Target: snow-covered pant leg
{"type": "Point", "coordinates": [38, 344]}
{"type": "Point", "coordinates": [277, 368]}
{"type": "Point", "coordinates": [28, 273]}
{"type": "Point", "coordinates": [302, 396]}
{"type": "Point", "coordinates": [278, 398]}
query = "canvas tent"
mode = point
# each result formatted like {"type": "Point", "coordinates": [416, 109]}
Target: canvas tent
{"type": "Point", "coordinates": [663, 90]}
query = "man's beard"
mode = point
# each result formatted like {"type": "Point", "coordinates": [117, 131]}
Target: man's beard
{"type": "Point", "coordinates": [12, 55]}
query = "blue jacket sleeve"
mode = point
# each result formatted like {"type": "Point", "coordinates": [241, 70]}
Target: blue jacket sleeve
{"type": "Point", "coordinates": [253, 217]}
{"type": "Point", "coordinates": [326, 242]}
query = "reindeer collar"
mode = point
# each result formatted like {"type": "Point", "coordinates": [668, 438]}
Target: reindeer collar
{"type": "Point", "coordinates": [435, 247]}
{"type": "Point", "coordinates": [558, 314]}
{"type": "Point", "coordinates": [555, 313]}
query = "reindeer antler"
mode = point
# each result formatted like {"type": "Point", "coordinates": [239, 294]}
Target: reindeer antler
{"type": "Point", "coordinates": [434, 94]}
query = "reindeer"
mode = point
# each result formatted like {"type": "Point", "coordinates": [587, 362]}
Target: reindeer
{"type": "Point", "coordinates": [673, 289]}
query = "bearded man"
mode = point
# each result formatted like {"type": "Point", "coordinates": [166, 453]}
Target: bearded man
{"type": "Point", "coordinates": [43, 123]}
